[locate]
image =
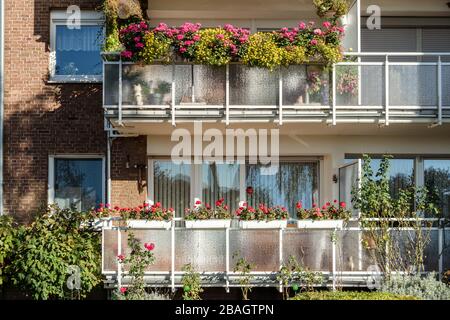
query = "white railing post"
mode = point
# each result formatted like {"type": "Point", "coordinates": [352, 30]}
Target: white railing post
{"type": "Point", "coordinates": [333, 98]}
{"type": "Point", "coordinates": [334, 257]}
{"type": "Point", "coordinates": [386, 89]}
{"type": "Point", "coordinates": [120, 92]}
{"type": "Point", "coordinates": [172, 252]}
{"type": "Point", "coordinates": [280, 239]}
{"type": "Point", "coordinates": [280, 96]}
{"type": "Point", "coordinates": [227, 259]}
{"type": "Point", "coordinates": [119, 252]}
{"type": "Point", "coordinates": [227, 94]}
{"type": "Point", "coordinates": [173, 96]}
{"type": "Point", "coordinates": [441, 231]}
{"type": "Point", "coordinates": [439, 89]}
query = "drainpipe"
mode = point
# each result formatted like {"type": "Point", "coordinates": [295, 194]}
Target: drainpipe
{"type": "Point", "coordinates": [2, 56]}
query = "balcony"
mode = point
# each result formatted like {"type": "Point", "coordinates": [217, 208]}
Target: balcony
{"type": "Point", "coordinates": [378, 88]}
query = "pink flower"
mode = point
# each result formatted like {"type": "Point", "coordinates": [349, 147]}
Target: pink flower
{"type": "Point", "coordinates": [123, 290]}
{"type": "Point", "coordinates": [326, 24]}
{"type": "Point", "coordinates": [180, 37]}
{"type": "Point", "coordinates": [318, 32]}
{"type": "Point", "coordinates": [196, 37]}
{"type": "Point", "coordinates": [149, 246]}
{"type": "Point", "coordinates": [302, 26]}
{"type": "Point", "coordinates": [314, 42]}
{"type": "Point", "coordinates": [220, 36]}
{"type": "Point", "coordinates": [183, 50]}
{"type": "Point", "coordinates": [299, 205]}
{"type": "Point", "coordinates": [137, 39]}
{"type": "Point", "coordinates": [121, 257]}
{"type": "Point", "coordinates": [139, 45]}
{"type": "Point", "coordinates": [342, 204]}
{"type": "Point", "coordinates": [127, 54]}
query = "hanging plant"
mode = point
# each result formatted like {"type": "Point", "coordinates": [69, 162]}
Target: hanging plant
{"type": "Point", "coordinates": [332, 9]}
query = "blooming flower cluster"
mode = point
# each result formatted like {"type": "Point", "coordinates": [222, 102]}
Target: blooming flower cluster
{"type": "Point", "coordinates": [262, 212]}
{"type": "Point", "coordinates": [347, 82]}
{"type": "Point", "coordinates": [146, 211]}
{"type": "Point", "coordinates": [329, 211]}
{"type": "Point", "coordinates": [205, 212]}
{"type": "Point", "coordinates": [221, 45]}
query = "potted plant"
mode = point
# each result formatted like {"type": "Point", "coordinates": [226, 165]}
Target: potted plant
{"type": "Point", "coordinates": [330, 216]}
{"type": "Point", "coordinates": [262, 217]}
{"type": "Point", "coordinates": [331, 9]}
{"type": "Point", "coordinates": [147, 216]}
{"type": "Point", "coordinates": [157, 97]}
{"type": "Point", "coordinates": [204, 217]}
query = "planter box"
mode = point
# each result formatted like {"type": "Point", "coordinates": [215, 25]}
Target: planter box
{"type": "Point", "coordinates": [149, 224]}
{"type": "Point", "coordinates": [207, 224]}
{"type": "Point", "coordinates": [253, 224]}
{"type": "Point", "coordinates": [320, 224]}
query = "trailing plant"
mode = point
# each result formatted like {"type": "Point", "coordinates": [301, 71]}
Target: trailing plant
{"type": "Point", "coordinates": [350, 295]}
{"type": "Point", "coordinates": [262, 213]}
{"type": "Point", "coordinates": [335, 8]}
{"type": "Point", "coordinates": [191, 283]}
{"type": "Point", "coordinates": [205, 212]}
{"type": "Point", "coordinates": [8, 233]}
{"type": "Point", "coordinates": [397, 238]}
{"type": "Point", "coordinates": [330, 211]}
{"type": "Point", "coordinates": [140, 257]}
{"type": "Point", "coordinates": [244, 268]}
{"type": "Point", "coordinates": [59, 248]}
{"type": "Point", "coordinates": [294, 276]}
{"type": "Point", "coordinates": [146, 211]}
{"type": "Point", "coordinates": [424, 287]}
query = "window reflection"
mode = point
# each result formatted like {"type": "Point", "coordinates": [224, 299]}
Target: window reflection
{"type": "Point", "coordinates": [437, 181]}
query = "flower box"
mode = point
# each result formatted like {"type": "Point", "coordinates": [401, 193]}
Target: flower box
{"type": "Point", "coordinates": [208, 224]}
{"type": "Point", "coordinates": [149, 224]}
{"type": "Point", "coordinates": [257, 224]}
{"type": "Point", "coordinates": [320, 224]}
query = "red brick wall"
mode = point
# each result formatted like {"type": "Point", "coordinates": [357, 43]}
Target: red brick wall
{"type": "Point", "coordinates": [41, 118]}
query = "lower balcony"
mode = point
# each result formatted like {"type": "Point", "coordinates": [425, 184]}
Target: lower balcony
{"type": "Point", "coordinates": [377, 88]}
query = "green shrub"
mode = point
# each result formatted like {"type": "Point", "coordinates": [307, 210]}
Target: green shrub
{"type": "Point", "coordinates": [7, 234]}
{"type": "Point", "coordinates": [263, 52]}
{"type": "Point", "coordinates": [49, 253]}
{"type": "Point", "coordinates": [426, 288]}
{"type": "Point", "coordinates": [350, 295]}
{"type": "Point", "coordinates": [191, 283]}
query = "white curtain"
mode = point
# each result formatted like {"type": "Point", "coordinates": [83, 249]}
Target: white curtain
{"type": "Point", "coordinates": [87, 38]}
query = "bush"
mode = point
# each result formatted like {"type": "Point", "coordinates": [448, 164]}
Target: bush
{"type": "Point", "coordinates": [350, 295]}
{"type": "Point", "coordinates": [426, 288]}
{"type": "Point", "coordinates": [263, 52]}
{"type": "Point", "coordinates": [156, 47]}
{"type": "Point", "coordinates": [49, 253]}
{"type": "Point", "coordinates": [7, 234]}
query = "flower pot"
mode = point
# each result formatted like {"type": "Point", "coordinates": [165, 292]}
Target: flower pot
{"type": "Point", "coordinates": [155, 99]}
{"type": "Point", "coordinates": [149, 224]}
{"type": "Point", "coordinates": [208, 224]}
{"type": "Point", "coordinates": [254, 224]}
{"type": "Point", "coordinates": [320, 224]}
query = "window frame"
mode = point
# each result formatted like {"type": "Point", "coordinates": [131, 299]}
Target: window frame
{"type": "Point", "coordinates": [51, 172]}
{"type": "Point", "coordinates": [59, 18]}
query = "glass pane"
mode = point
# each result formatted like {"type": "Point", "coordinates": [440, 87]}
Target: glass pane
{"type": "Point", "coordinates": [253, 86]}
{"type": "Point", "coordinates": [111, 84]}
{"type": "Point", "coordinates": [172, 185]}
{"type": "Point", "coordinates": [446, 85]}
{"type": "Point", "coordinates": [221, 181]}
{"type": "Point", "coordinates": [78, 50]}
{"type": "Point", "coordinates": [348, 180]}
{"type": "Point", "coordinates": [401, 174]}
{"type": "Point", "coordinates": [437, 180]}
{"type": "Point", "coordinates": [292, 182]}
{"type": "Point", "coordinates": [78, 183]}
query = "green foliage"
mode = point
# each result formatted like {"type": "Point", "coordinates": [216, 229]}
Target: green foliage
{"type": "Point", "coordinates": [141, 256]}
{"type": "Point", "coordinates": [426, 288]}
{"type": "Point", "coordinates": [156, 47]}
{"type": "Point", "coordinates": [263, 52]}
{"type": "Point", "coordinates": [8, 232]}
{"type": "Point", "coordinates": [294, 275]}
{"type": "Point", "coordinates": [244, 268]}
{"type": "Point", "coordinates": [339, 8]}
{"type": "Point", "coordinates": [350, 295]}
{"type": "Point", "coordinates": [213, 48]}
{"type": "Point", "coordinates": [191, 283]}
{"type": "Point", "coordinates": [292, 55]}
{"type": "Point", "coordinates": [46, 250]}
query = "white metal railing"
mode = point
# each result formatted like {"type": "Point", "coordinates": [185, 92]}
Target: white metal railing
{"type": "Point", "coordinates": [264, 278]}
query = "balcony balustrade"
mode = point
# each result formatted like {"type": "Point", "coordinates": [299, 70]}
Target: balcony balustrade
{"type": "Point", "coordinates": [372, 88]}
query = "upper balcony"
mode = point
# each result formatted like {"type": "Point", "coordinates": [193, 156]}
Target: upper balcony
{"type": "Point", "coordinates": [368, 88]}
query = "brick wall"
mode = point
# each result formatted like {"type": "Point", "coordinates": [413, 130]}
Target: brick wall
{"type": "Point", "coordinates": [41, 118]}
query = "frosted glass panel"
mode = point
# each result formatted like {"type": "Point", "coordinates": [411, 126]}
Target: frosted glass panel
{"type": "Point", "coordinates": [208, 83]}
{"type": "Point", "coordinates": [350, 41]}
{"type": "Point", "coordinates": [172, 185]}
{"type": "Point", "coordinates": [259, 247]}
{"type": "Point", "coordinates": [110, 250]}
{"type": "Point", "coordinates": [347, 85]}
{"type": "Point", "coordinates": [221, 181]}
{"type": "Point", "coordinates": [152, 83]}
{"type": "Point", "coordinates": [413, 85]}
{"type": "Point", "coordinates": [205, 249]}
{"type": "Point", "coordinates": [348, 179]}
{"type": "Point", "coordinates": [437, 180]}
{"type": "Point", "coordinates": [311, 248]}
{"type": "Point", "coordinates": [253, 86]}
{"type": "Point", "coordinates": [446, 252]}
{"type": "Point", "coordinates": [305, 85]}
{"type": "Point", "coordinates": [446, 86]}
{"type": "Point", "coordinates": [351, 252]}
{"type": "Point", "coordinates": [111, 84]}
{"type": "Point", "coordinates": [292, 182]}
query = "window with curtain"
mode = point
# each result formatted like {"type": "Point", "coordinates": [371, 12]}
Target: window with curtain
{"type": "Point", "coordinates": [221, 181]}
{"type": "Point", "coordinates": [78, 183]}
{"type": "Point", "coordinates": [437, 181]}
{"type": "Point", "coordinates": [292, 182]}
{"type": "Point", "coordinates": [77, 51]}
{"type": "Point", "coordinates": [172, 185]}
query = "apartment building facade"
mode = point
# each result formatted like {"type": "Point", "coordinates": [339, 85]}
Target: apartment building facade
{"type": "Point", "coordinates": [75, 135]}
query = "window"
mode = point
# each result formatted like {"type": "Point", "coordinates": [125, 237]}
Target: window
{"type": "Point", "coordinates": [75, 53]}
{"type": "Point", "coordinates": [76, 182]}
{"type": "Point", "coordinates": [437, 181]}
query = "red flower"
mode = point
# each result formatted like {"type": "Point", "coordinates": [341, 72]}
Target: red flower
{"type": "Point", "coordinates": [299, 205]}
{"type": "Point", "coordinates": [218, 203]}
{"type": "Point", "coordinates": [314, 205]}
{"type": "Point", "coordinates": [121, 257]}
{"type": "Point", "coordinates": [208, 206]}
{"type": "Point", "coordinates": [342, 204]}
{"type": "Point", "coordinates": [335, 201]}
{"type": "Point", "coordinates": [198, 202]}
{"type": "Point", "coordinates": [225, 207]}
{"type": "Point", "coordinates": [123, 290]}
{"type": "Point", "coordinates": [328, 204]}
{"type": "Point", "coordinates": [117, 208]}
{"type": "Point", "coordinates": [149, 246]}
{"type": "Point", "coordinates": [249, 190]}
{"type": "Point", "coordinates": [324, 208]}
{"type": "Point", "coordinates": [101, 205]}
